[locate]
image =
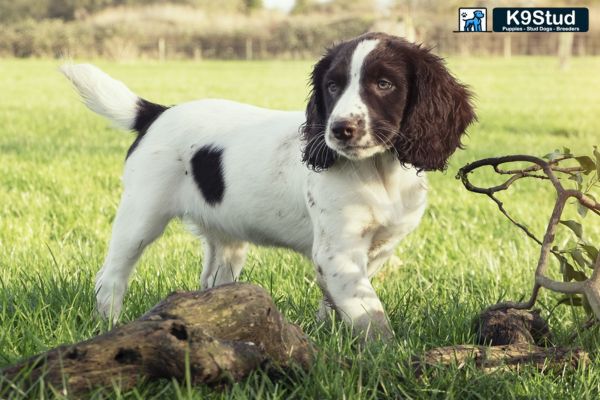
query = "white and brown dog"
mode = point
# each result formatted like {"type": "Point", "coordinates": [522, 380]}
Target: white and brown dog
{"type": "Point", "coordinates": [341, 184]}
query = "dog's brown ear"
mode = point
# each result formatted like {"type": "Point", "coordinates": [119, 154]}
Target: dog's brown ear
{"type": "Point", "coordinates": [315, 153]}
{"type": "Point", "coordinates": [437, 113]}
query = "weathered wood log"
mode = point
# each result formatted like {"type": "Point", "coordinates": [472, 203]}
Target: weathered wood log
{"type": "Point", "coordinates": [508, 357]}
{"type": "Point", "coordinates": [511, 326]}
{"type": "Point", "coordinates": [222, 334]}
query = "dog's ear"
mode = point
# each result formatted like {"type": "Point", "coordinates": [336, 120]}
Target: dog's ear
{"type": "Point", "coordinates": [437, 113]}
{"type": "Point", "coordinates": [315, 153]}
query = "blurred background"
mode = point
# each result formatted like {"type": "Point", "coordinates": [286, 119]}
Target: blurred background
{"type": "Point", "coordinates": [260, 29]}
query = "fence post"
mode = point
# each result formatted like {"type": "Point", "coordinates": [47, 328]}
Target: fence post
{"type": "Point", "coordinates": [507, 42]}
{"type": "Point", "coordinates": [248, 49]}
{"type": "Point", "coordinates": [198, 51]}
{"type": "Point", "coordinates": [162, 49]}
{"type": "Point", "coordinates": [580, 46]}
{"type": "Point", "coordinates": [565, 49]}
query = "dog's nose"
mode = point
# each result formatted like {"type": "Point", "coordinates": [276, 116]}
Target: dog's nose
{"type": "Point", "coordinates": [344, 129]}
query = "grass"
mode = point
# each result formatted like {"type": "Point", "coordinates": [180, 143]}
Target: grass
{"type": "Point", "coordinates": [60, 185]}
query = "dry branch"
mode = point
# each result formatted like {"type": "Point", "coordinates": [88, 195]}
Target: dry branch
{"type": "Point", "coordinates": [222, 334]}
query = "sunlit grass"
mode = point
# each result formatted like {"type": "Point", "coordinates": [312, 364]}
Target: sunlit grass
{"type": "Point", "coordinates": [60, 169]}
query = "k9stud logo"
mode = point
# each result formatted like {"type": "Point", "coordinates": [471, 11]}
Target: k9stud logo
{"type": "Point", "coordinates": [472, 20]}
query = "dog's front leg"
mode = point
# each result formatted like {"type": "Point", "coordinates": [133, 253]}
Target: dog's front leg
{"type": "Point", "coordinates": [342, 276]}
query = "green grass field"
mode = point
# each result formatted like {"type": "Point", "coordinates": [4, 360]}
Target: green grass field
{"type": "Point", "coordinates": [60, 168]}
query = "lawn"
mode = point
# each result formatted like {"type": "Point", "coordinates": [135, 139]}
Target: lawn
{"type": "Point", "coordinates": [60, 168]}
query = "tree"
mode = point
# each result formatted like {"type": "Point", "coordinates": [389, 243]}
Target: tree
{"type": "Point", "coordinates": [252, 5]}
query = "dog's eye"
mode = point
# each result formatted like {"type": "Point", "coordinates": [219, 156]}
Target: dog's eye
{"type": "Point", "coordinates": [332, 87]}
{"type": "Point", "coordinates": [384, 84]}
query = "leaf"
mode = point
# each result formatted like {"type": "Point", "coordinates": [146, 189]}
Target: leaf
{"type": "Point", "coordinates": [597, 156]}
{"type": "Point", "coordinates": [586, 163]}
{"type": "Point", "coordinates": [581, 210]}
{"type": "Point", "coordinates": [578, 179]}
{"type": "Point", "coordinates": [570, 274]}
{"type": "Point", "coordinates": [579, 258]}
{"type": "Point", "coordinates": [591, 251]}
{"type": "Point", "coordinates": [556, 154]}
{"type": "Point", "coordinates": [565, 270]}
{"type": "Point", "coordinates": [574, 226]}
{"type": "Point", "coordinates": [580, 276]}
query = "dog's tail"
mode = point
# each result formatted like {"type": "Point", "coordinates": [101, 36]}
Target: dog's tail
{"type": "Point", "coordinates": [111, 98]}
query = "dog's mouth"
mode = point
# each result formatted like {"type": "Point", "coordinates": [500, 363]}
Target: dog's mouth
{"type": "Point", "coordinates": [352, 147]}
{"type": "Point", "coordinates": [357, 152]}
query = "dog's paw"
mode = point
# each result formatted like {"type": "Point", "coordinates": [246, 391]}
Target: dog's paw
{"type": "Point", "coordinates": [325, 313]}
{"type": "Point", "coordinates": [109, 298]}
{"type": "Point", "coordinates": [374, 327]}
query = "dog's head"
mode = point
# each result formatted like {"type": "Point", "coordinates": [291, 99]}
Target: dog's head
{"type": "Point", "coordinates": [379, 93]}
{"type": "Point", "coordinates": [478, 14]}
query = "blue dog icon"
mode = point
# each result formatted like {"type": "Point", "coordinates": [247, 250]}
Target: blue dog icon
{"type": "Point", "coordinates": [473, 24]}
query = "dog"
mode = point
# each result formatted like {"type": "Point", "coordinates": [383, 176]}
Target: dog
{"type": "Point", "coordinates": [474, 24]}
{"type": "Point", "coordinates": [341, 183]}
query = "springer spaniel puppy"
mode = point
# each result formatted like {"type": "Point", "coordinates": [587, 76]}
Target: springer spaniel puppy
{"type": "Point", "coordinates": [341, 184]}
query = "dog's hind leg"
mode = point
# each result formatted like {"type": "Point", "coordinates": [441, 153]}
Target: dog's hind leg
{"type": "Point", "coordinates": [139, 221]}
{"type": "Point", "coordinates": [223, 262]}
{"type": "Point", "coordinates": [148, 203]}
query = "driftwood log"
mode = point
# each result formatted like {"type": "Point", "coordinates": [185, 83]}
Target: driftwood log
{"type": "Point", "coordinates": [222, 334]}
{"type": "Point", "coordinates": [511, 326]}
{"type": "Point", "coordinates": [509, 340]}
{"type": "Point", "coordinates": [494, 358]}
